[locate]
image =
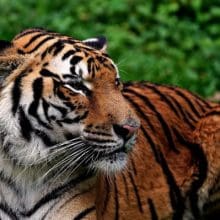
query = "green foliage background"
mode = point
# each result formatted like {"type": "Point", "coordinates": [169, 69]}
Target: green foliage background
{"type": "Point", "coordinates": [174, 41]}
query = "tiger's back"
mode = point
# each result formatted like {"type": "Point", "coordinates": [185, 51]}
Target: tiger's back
{"type": "Point", "coordinates": [168, 176]}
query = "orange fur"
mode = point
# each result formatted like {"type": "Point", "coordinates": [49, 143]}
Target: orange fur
{"type": "Point", "coordinates": [174, 167]}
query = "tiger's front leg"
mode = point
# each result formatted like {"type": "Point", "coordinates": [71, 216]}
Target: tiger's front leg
{"type": "Point", "coordinates": [208, 135]}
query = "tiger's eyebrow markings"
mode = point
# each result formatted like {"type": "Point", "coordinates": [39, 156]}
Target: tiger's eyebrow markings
{"type": "Point", "coordinates": [68, 76]}
{"type": "Point", "coordinates": [68, 54]}
{"type": "Point", "coordinates": [58, 47]}
{"type": "Point", "coordinates": [75, 60]}
{"type": "Point", "coordinates": [48, 73]}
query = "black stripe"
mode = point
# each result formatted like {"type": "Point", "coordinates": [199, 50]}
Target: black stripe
{"type": "Point", "coordinates": [59, 93]}
{"type": "Point", "coordinates": [136, 193]}
{"type": "Point", "coordinates": [163, 98]}
{"type": "Point", "coordinates": [43, 54]}
{"type": "Point", "coordinates": [72, 198]}
{"type": "Point", "coordinates": [50, 210]}
{"type": "Point", "coordinates": [139, 111]}
{"type": "Point", "coordinates": [196, 97]}
{"type": "Point", "coordinates": [19, 51]}
{"type": "Point", "coordinates": [45, 108]}
{"type": "Point", "coordinates": [54, 194]}
{"type": "Point", "coordinates": [75, 59]}
{"type": "Point", "coordinates": [37, 91]}
{"type": "Point", "coordinates": [98, 133]}
{"type": "Point", "coordinates": [6, 149]}
{"type": "Point", "coordinates": [188, 101]}
{"type": "Point", "coordinates": [16, 92]}
{"type": "Point", "coordinates": [72, 70]}
{"type": "Point", "coordinates": [116, 200]}
{"type": "Point", "coordinates": [133, 165]}
{"type": "Point", "coordinates": [175, 194]}
{"type": "Point", "coordinates": [40, 44]}
{"type": "Point", "coordinates": [202, 165]}
{"type": "Point", "coordinates": [165, 127]}
{"type": "Point", "coordinates": [106, 200]}
{"type": "Point", "coordinates": [45, 138]}
{"type": "Point", "coordinates": [58, 47]}
{"type": "Point", "coordinates": [152, 144]}
{"type": "Point", "coordinates": [70, 77]}
{"type": "Point", "coordinates": [206, 103]}
{"type": "Point", "coordinates": [74, 120]}
{"type": "Point", "coordinates": [84, 213]}
{"type": "Point", "coordinates": [9, 182]}
{"type": "Point", "coordinates": [8, 211]}
{"type": "Point", "coordinates": [190, 116]}
{"type": "Point", "coordinates": [78, 85]}
{"type": "Point", "coordinates": [90, 62]}
{"type": "Point", "coordinates": [35, 37]}
{"type": "Point", "coordinates": [101, 141]}
{"type": "Point", "coordinates": [186, 117]}
{"type": "Point", "coordinates": [29, 31]}
{"type": "Point", "coordinates": [47, 73]}
{"type": "Point", "coordinates": [61, 109]}
{"type": "Point", "coordinates": [201, 106]}
{"type": "Point", "coordinates": [126, 186]}
{"type": "Point", "coordinates": [153, 212]}
{"type": "Point", "coordinates": [25, 125]}
{"type": "Point", "coordinates": [68, 54]}
{"type": "Point", "coordinates": [50, 48]}
{"type": "Point", "coordinates": [70, 105]}
{"type": "Point", "coordinates": [214, 112]}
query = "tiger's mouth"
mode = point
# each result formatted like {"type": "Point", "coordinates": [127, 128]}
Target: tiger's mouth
{"type": "Point", "coordinates": [113, 155]}
{"type": "Point", "coordinates": [112, 159]}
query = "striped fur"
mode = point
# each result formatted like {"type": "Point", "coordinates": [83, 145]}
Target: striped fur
{"type": "Point", "coordinates": [70, 143]}
{"type": "Point", "coordinates": [175, 163]}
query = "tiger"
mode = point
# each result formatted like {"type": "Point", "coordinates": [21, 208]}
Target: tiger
{"type": "Point", "coordinates": [78, 143]}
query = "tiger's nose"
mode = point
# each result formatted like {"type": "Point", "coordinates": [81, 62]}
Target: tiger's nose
{"type": "Point", "coordinates": [125, 131]}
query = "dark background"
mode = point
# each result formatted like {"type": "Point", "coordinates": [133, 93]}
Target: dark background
{"type": "Point", "coordinates": [172, 42]}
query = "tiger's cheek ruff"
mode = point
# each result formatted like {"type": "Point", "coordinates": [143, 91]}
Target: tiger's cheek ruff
{"type": "Point", "coordinates": [38, 122]}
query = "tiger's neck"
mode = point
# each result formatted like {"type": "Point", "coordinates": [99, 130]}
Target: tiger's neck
{"type": "Point", "coordinates": [22, 191]}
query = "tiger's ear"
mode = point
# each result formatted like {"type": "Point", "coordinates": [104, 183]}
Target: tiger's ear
{"type": "Point", "coordinates": [9, 59]}
{"type": "Point", "coordinates": [99, 43]}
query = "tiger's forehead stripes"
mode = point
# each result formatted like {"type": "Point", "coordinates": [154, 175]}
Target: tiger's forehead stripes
{"type": "Point", "coordinates": [85, 60]}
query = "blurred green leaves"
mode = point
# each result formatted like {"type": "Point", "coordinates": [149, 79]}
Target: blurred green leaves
{"type": "Point", "coordinates": [173, 41]}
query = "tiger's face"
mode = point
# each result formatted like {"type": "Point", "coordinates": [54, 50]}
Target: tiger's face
{"type": "Point", "coordinates": [61, 102]}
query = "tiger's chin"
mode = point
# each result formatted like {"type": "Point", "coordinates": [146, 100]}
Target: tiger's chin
{"type": "Point", "coordinates": [111, 164]}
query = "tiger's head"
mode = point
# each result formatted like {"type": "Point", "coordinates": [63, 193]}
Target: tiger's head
{"type": "Point", "coordinates": [61, 102]}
